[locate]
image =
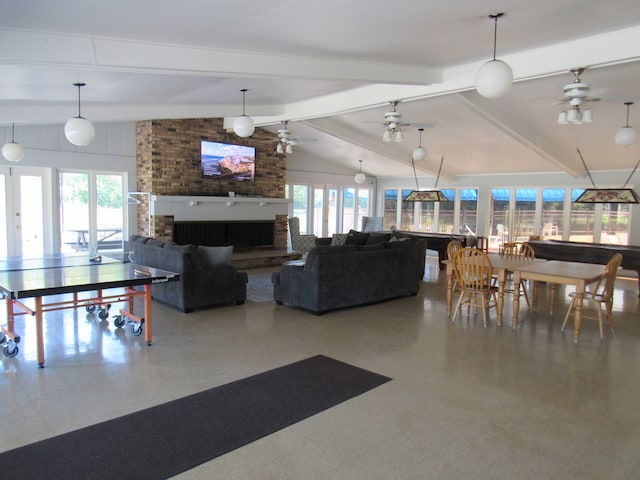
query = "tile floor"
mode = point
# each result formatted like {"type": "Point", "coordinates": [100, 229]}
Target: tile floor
{"type": "Point", "coordinates": [466, 402]}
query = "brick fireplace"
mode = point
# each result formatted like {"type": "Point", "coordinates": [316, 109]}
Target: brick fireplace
{"type": "Point", "coordinates": [168, 167]}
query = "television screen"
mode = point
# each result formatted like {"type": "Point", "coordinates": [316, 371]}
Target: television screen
{"type": "Point", "coordinates": [228, 162]}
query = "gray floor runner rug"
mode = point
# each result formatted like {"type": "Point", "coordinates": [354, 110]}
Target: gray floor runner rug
{"type": "Point", "coordinates": [168, 439]}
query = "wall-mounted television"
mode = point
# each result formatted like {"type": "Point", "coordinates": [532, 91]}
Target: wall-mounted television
{"type": "Point", "coordinates": [227, 162]}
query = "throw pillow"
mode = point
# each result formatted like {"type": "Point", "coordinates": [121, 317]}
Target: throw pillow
{"type": "Point", "coordinates": [217, 255]}
{"type": "Point", "coordinates": [338, 238]}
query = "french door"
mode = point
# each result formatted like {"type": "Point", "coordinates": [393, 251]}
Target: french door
{"type": "Point", "coordinates": [25, 228]}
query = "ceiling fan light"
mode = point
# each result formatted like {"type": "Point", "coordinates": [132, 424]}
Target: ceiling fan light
{"type": "Point", "coordinates": [79, 131]}
{"type": "Point", "coordinates": [626, 136]}
{"type": "Point", "coordinates": [572, 116]}
{"type": "Point", "coordinates": [562, 118]}
{"type": "Point", "coordinates": [386, 136]}
{"type": "Point", "coordinates": [494, 79]}
{"type": "Point", "coordinates": [398, 137]}
{"type": "Point", "coordinates": [243, 126]}
{"type": "Point", "coordinates": [360, 177]}
{"type": "Point", "coordinates": [586, 116]}
{"type": "Point", "coordinates": [419, 154]}
{"type": "Point", "coordinates": [279, 148]}
{"type": "Point", "coordinates": [289, 148]}
{"type": "Point", "coordinates": [12, 151]}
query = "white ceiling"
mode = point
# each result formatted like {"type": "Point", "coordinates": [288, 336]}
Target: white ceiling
{"type": "Point", "coordinates": [331, 68]}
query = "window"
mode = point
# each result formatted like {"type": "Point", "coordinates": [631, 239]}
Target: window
{"type": "Point", "coordinates": [468, 210]}
{"type": "Point", "coordinates": [552, 213]}
{"type": "Point", "coordinates": [390, 213]}
{"type": "Point", "coordinates": [91, 212]}
{"type": "Point", "coordinates": [582, 218]}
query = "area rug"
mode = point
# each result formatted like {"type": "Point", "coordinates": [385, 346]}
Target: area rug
{"type": "Point", "coordinates": [168, 439]}
{"type": "Point", "coordinates": [259, 287]}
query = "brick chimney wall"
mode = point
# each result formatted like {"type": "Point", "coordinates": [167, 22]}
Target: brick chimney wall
{"type": "Point", "coordinates": [168, 163]}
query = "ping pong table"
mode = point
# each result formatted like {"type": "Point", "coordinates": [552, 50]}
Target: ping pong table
{"type": "Point", "coordinates": [54, 275]}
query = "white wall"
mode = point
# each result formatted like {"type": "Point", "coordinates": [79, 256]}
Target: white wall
{"type": "Point", "coordinates": [113, 150]}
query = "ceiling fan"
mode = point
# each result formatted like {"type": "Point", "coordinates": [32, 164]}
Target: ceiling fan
{"type": "Point", "coordinates": [393, 123]}
{"type": "Point", "coordinates": [576, 94]}
{"type": "Point", "coordinates": [286, 140]}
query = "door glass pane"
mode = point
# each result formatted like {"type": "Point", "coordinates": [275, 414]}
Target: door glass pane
{"type": "Point", "coordinates": [407, 212]}
{"type": "Point", "coordinates": [445, 213]}
{"type": "Point", "coordinates": [300, 202]}
{"type": "Point", "coordinates": [552, 207]}
{"type": "Point", "coordinates": [582, 216]}
{"type": "Point", "coordinates": [615, 223]}
{"type": "Point", "coordinates": [110, 214]}
{"type": "Point", "coordinates": [468, 210]}
{"type": "Point", "coordinates": [348, 209]}
{"type": "Point", "coordinates": [32, 216]}
{"type": "Point", "coordinates": [525, 214]}
{"type": "Point", "coordinates": [363, 207]}
{"type": "Point", "coordinates": [426, 214]}
{"type": "Point", "coordinates": [499, 221]}
{"type": "Point", "coordinates": [318, 202]}
{"type": "Point", "coordinates": [332, 212]}
{"type": "Point", "coordinates": [390, 209]}
{"type": "Point", "coordinates": [74, 212]}
{"type": "Point", "coordinates": [4, 249]}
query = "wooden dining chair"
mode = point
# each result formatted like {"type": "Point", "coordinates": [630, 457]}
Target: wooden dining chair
{"type": "Point", "coordinates": [473, 271]}
{"type": "Point", "coordinates": [452, 247]}
{"type": "Point", "coordinates": [522, 250]}
{"type": "Point", "coordinates": [601, 295]}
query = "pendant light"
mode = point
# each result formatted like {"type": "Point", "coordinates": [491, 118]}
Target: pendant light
{"type": "Point", "coordinates": [419, 153]}
{"type": "Point", "coordinates": [243, 126]}
{"type": "Point", "coordinates": [78, 130]}
{"type": "Point", "coordinates": [360, 177]}
{"type": "Point", "coordinates": [12, 151]}
{"type": "Point", "coordinates": [495, 77]}
{"type": "Point", "coordinates": [627, 135]}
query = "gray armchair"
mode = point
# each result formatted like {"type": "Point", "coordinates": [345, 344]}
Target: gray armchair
{"type": "Point", "coordinates": [371, 224]}
{"type": "Point", "coordinates": [300, 243]}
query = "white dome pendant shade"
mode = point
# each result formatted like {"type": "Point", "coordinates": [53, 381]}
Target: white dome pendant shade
{"type": "Point", "coordinates": [243, 126]}
{"type": "Point", "coordinates": [78, 130]}
{"type": "Point", "coordinates": [494, 78]}
{"type": "Point", "coordinates": [12, 151]}
{"type": "Point", "coordinates": [419, 153]}
{"type": "Point", "coordinates": [626, 136]}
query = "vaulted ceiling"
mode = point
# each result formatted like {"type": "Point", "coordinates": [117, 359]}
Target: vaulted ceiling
{"type": "Point", "coordinates": [332, 67]}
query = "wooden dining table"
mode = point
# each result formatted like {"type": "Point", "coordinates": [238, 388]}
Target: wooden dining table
{"type": "Point", "coordinates": [501, 267]}
{"type": "Point", "coordinates": [557, 272]}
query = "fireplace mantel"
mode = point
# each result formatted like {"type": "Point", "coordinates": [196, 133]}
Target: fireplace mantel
{"type": "Point", "coordinates": [204, 208]}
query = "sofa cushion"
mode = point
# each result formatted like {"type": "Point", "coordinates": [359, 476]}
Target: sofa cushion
{"type": "Point", "coordinates": [217, 255]}
{"type": "Point", "coordinates": [197, 261]}
{"type": "Point", "coordinates": [152, 242]}
{"type": "Point", "coordinates": [356, 238]}
{"type": "Point", "coordinates": [375, 238]}
{"type": "Point", "coordinates": [138, 239]}
{"type": "Point", "coordinates": [370, 248]}
{"type": "Point", "coordinates": [324, 250]}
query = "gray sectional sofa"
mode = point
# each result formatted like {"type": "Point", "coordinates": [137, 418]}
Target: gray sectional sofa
{"type": "Point", "coordinates": [357, 273]}
{"type": "Point", "coordinates": [206, 275]}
